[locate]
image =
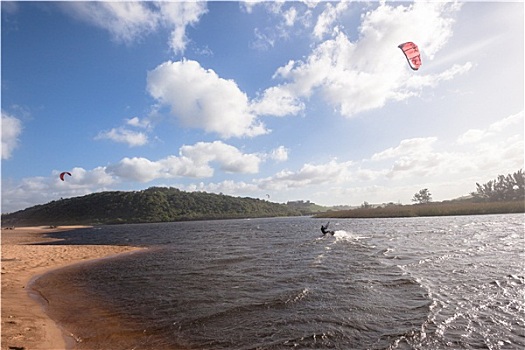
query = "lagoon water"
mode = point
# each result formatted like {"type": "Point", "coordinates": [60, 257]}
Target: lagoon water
{"type": "Point", "coordinates": [408, 283]}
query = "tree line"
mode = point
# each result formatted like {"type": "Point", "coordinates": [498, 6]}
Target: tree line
{"type": "Point", "coordinates": [504, 188]}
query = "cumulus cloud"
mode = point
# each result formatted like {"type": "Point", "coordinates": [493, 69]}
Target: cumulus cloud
{"type": "Point", "coordinates": [476, 135]}
{"type": "Point", "coordinates": [144, 170]}
{"type": "Point", "coordinates": [131, 21]}
{"type": "Point", "coordinates": [308, 175]}
{"type": "Point", "coordinates": [277, 101]}
{"type": "Point", "coordinates": [229, 158]}
{"type": "Point", "coordinates": [366, 74]}
{"type": "Point", "coordinates": [199, 98]}
{"type": "Point", "coordinates": [123, 135]}
{"type": "Point", "coordinates": [193, 161]}
{"type": "Point", "coordinates": [11, 130]}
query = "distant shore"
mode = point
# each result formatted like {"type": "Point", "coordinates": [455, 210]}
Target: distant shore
{"type": "Point", "coordinates": [24, 322]}
{"type": "Point", "coordinates": [429, 209]}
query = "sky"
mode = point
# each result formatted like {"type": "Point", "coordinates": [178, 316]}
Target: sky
{"type": "Point", "coordinates": [281, 101]}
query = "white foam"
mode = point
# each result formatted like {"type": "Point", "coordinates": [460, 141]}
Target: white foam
{"type": "Point", "coordinates": [342, 235]}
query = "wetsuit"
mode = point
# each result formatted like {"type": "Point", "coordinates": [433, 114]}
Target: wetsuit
{"type": "Point", "coordinates": [324, 230]}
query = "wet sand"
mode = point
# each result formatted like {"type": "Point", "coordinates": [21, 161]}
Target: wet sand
{"type": "Point", "coordinates": [24, 322]}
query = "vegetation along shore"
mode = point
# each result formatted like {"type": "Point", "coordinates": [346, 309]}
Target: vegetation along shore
{"type": "Point", "coordinates": [505, 194]}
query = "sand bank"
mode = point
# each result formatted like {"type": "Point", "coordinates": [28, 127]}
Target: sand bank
{"type": "Point", "coordinates": [24, 323]}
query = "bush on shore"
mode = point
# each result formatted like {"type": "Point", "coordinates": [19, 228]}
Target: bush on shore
{"type": "Point", "coordinates": [430, 209]}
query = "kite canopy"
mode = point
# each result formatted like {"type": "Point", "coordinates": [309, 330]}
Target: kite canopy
{"type": "Point", "coordinates": [411, 52]}
{"type": "Point", "coordinates": [63, 174]}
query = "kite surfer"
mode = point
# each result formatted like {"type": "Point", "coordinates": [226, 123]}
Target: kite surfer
{"type": "Point", "coordinates": [325, 230]}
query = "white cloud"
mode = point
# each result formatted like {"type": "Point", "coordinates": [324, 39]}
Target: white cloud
{"type": "Point", "coordinates": [308, 175]}
{"type": "Point", "coordinates": [249, 5]}
{"type": "Point", "coordinates": [138, 123]}
{"type": "Point", "coordinates": [477, 135]}
{"type": "Point", "coordinates": [11, 130]}
{"type": "Point", "coordinates": [123, 135]}
{"type": "Point", "coordinates": [280, 154]}
{"type": "Point", "coordinates": [471, 136]}
{"type": "Point", "coordinates": [418, 158]}
{"type": "Point", "coordinates": [131, 21]}
{"type": "Point", "coordinates": [199, 98]}
{"type": "Point", "coordinates": [178, 15]}
{"type": "Point", "coordinates": [144, 170]}
{"type": "Point", "coordinates": [328, 17]}
{"type": "Point", "coordinates": [509, 121]}
{"type": "Point", "coordinates": [290, 16]}
{"type": "Point", "coordinates": [407, 147]}
{"type": "Point", "coordinates": [366, 74]}
{"type": "Point", "coordinates": [230, 159]}
{"type": "Point", "coordinates": [193, 161]}
{"type": "Point", "coordinates": [277, 101]}
{"type": "Point", "coordinates": [496, 149]}
{"type": "Point", "coordinates": [126, 21]}
{"type": "Point", "coordinates": [84, 179]}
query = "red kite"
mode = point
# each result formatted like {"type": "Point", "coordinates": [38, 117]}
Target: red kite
{"type": "Point", "coordinates": [411, 52]}
{"type": "Point", "coordinates": [63, 174]}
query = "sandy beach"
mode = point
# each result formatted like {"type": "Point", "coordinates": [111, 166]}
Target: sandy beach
{"type": "Point", "coordinates": [24, 322]}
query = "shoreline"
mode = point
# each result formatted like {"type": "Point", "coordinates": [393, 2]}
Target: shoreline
{"type": "Point", "coordinates": [24, 322]}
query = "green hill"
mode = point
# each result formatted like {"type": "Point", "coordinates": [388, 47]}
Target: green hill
{"type": "Point", "coordinates": [156, 204]}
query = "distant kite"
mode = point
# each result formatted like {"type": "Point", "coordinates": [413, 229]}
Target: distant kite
{"type": "Point", "coordinates": [411, 52]}
{"type": "Point", "coordinates": [63, 174]}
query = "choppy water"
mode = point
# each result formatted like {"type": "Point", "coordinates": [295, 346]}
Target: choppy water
{"type": "Point", "coordinates": [414, 283]}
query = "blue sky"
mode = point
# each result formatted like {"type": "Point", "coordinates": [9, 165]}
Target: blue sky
{"type": "Point", "coordinates": [295, 100]}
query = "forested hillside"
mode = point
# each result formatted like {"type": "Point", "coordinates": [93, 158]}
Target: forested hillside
{"type": "Point", "coordinates": [156, 204]}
